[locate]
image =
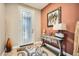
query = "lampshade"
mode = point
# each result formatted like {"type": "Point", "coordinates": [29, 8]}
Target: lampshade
{"type": "Point", "coordinates": [59, 26]}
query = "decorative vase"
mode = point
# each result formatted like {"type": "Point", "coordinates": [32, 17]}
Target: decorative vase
{"type": "Point", "coordinates": [8, 45]}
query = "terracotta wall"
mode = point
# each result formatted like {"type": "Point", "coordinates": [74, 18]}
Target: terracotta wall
{"type": "Point", "coordinates": [69, 16]}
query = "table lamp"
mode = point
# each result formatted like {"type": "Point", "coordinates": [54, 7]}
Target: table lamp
{"type": "Point", "coordinates": [59, 35]}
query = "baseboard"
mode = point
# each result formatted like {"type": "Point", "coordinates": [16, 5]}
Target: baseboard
{"type": "Point", "coordinates": [26, 44]}
{"type": "Point", "coordinates": [56, 49]}
{"type": "Point", "coordinates": [22, 45]}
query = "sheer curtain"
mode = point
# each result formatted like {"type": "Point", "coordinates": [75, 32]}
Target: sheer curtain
{"type": "Point", "coordinates": [26, 27]}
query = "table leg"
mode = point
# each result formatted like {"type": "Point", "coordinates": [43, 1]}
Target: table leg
{"type": "Point", "coordinates": [61, 48]}
{"type": "Point", "coordinates": [43, 43]}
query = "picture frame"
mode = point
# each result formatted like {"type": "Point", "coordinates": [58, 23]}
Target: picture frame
{"type": "Point", "coordinates": [54, 17]}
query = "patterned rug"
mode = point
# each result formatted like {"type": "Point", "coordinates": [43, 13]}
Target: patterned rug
{"type": "Point", "coordinates": [30, 51]}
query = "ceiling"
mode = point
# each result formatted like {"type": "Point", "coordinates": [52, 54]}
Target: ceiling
{"type": "Point", "coordinates": [37, 5]}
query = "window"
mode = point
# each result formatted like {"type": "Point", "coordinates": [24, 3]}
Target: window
{"type": "Point", "coordinates": [26, 27]}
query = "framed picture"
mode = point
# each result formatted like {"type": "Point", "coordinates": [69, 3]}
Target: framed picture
{"type": "Point", "coordinates": [54, 17]}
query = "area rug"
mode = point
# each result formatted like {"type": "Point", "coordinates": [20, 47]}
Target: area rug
{"type": "Point", "coordinates": [31, 51]}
